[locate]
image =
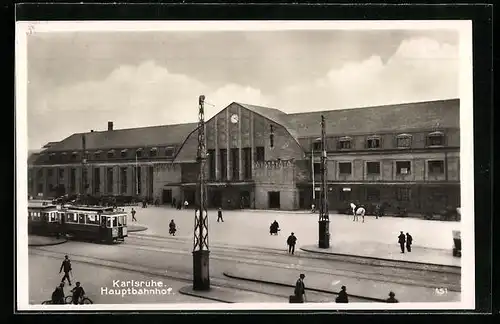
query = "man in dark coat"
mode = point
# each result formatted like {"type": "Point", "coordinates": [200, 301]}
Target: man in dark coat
{"type": "Point", "coordinates": [66, 266]}
{"type": "Point", "coordinates": [58, 295]}
{"type": "Point", "coordinates": [342, 297]}
{"type": "Point", "coordinates": [392, 298]}
{"type": "Point", "coordinates": [402, 240]}
{"type": "Point", "coordinates": [219, 215]}
{"type": "Point", "coordinates": [291, 241]}
{"type": "Point", "coordinates": [409, 241]}
{"type": "Point", "coordinates": [300, 289]}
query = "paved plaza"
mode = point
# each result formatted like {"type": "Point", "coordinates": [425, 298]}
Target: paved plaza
{"type": "Point", "coordinates": [432, 240]}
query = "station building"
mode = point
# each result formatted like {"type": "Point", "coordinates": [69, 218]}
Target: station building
{"type": "Point", "coordinates": [407, 155]}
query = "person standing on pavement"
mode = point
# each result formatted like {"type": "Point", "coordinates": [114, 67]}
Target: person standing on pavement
{"type": "Point", "coordinates": [342, 297]}
{"type": "Point", "coordinates": [66, 266]}
{"type": "Point", "coordinates": [219, 215]}
{"type": "Point", "coordinates": [392, 298]}
{"type": "Point", "coordinates": [133, 215]}
{"type": "Point", "coordinates": [291, 241]}
{"type": "Point", "coordinates": [300, 289]}
{"type": "Point", "coordinates": [402, 240]}
{"type": "Point", "coordinates": [409, 241]}
{"type": "Point", "coordinates": [58, 295]}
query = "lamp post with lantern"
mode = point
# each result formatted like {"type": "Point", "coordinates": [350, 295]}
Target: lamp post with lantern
{"type": "Point", "coordinates": [324, 218]}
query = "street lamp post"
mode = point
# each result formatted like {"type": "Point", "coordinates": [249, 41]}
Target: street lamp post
{"type": "Point", "coordinates": [201, 253]}
{"type": "Point", "coordinates": [83, 180]}
{"type": "Point", "coordinates": [312, 171]}
{"type": "Point", "coordinates": [324, 218]}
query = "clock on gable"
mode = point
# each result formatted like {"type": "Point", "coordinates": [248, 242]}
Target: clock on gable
{"type": "Point", "coordinates": [234, 119]}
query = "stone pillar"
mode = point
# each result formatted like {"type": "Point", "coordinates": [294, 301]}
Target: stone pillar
{"type": "Point", "coordinates": [240, 164]}
{"type": "Point", "coordinates": [252, 143]}
{"type": "Point", "coordinates": [228, 148]}
{"type": "Point", "coordinates": [217, 153]}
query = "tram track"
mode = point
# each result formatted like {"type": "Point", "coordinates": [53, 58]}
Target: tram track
{"type": "Point", "coordinates": [302, 263]}
{"type": "Point", "coordinates": [216, 280]}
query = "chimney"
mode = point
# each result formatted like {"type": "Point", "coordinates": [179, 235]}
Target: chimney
{"type": "Point", "coordinates": [110, 126]}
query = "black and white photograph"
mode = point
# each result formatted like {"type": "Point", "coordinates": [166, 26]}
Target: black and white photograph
{"type": "Point", "coordinates": [201, 165]}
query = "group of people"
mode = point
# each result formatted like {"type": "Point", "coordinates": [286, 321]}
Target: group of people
{"type": "Point", "coordinates": [77, 292]}
{"type": "Point", "coordinates": [299, 294]}
{"type": "Point", "coordinates": [405, 240]}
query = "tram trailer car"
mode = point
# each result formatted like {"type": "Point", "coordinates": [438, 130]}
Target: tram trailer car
{"type": "Point", "coordinates": [44, 219]}
{"type": "Point", "coordinates": [97, 224]}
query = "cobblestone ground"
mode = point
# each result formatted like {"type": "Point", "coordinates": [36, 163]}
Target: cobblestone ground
{"type": "Point", "coordinates": [252, 228]}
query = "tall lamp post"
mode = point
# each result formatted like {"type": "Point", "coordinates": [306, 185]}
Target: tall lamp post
{"type": "Point", "coordinates": [312, 170]}
{"type": "Point", "coordinates": [324, 218]}
{"type": "Point", "coordinates": [201, 253]}
{"type": "Point", "coordinates": [83, 182]}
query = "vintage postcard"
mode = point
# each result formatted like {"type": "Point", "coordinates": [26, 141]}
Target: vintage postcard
{"type": "Point", "coordinates": [332, 162]}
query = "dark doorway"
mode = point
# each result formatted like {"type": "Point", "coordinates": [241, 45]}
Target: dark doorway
{"type": "Point", "coordinates": [167, 196]}
{"type": "Point", "coordinates": [302, 200]}
{"type": "Point", "coordinates": [189, 195]}
{"type": "Point", "coordinates": [216, 198]}
{"type": "Point", "coordinates": [245, 199]}
{"type": "Point", "coordinates": [274, 199]}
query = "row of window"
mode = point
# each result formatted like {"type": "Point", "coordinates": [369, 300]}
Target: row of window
{"type": "Point", "coordinates": [373, 194]}
{"type": "Point", "coordinates": [94, 219]}
{"type": "Point", "coordinates": [373, 168]}
{"type": "Point", "coordinates": [434, 139]}
{"type": "Point", "coordinates": [111, 154]}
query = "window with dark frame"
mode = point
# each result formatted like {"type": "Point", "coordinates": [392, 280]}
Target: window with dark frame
{"type": "Point", "coordinates": [223, 163]}
{"type": "Point", "coordinates": [138, 153]}
{"type": "Point", "coordinates": [169, 151]}
{"type": "Point", "coordinates": [97, 155]}
{"type": "Point", "coordinates": [436, 167]}
{"type": "Point", "coordinates": [403, 167]}
{"type": "Point", "coordinates": [260, 154]}
{"type": "Point", "coordinates": [61, 174]}
{"type": "Point", "coordinates": [316, 146]}
{"type": "Point", "coordinates": [50, 172]}
{"type": "Point", "coordinates": [123, 153]}
{"type": "Point", "coordinates": [345, 168]}
{"type": "Point", "coordinates": [403, 141]}
{"type": "Point", "coordinates": [153, 152]}
{"type": "Point", "coordinates": [247, 167]}
{"type": "Point", "coordinates": [435, 139]}
{"type": "Point", "coordinates": [373, 142]}
{"type": "Point", "coordinates": [123, 180]}
{"type": "Point", "coordinates": [235, 164]}
{"type": "Point", "coordinates": [111, 154]}
{"type": "Point", "coordinates": [97, 180]}
{"type": "Point", "coordinates": [72, 180]}
{"type": "Point", "coordinates": [317, 168]}
{"type": "Point", "coordinates": [403, 194]}
{"type": "Point", "coordinates": [373, 167]}
{"type": "Point", "coordinates": [74, 156]}
{"type": "Point", "coordinates": [345, 144]}
{"type": "Point", "coordinates": [211, 164]}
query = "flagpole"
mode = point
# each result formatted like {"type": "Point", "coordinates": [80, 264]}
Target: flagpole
{"type": "Point", "coordinates": [136, 176]}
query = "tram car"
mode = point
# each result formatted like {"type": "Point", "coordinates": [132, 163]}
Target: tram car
{"type": "Point", "coordinates": [43, 218]}
{"type": "Point", "coordinates": [98, 224]}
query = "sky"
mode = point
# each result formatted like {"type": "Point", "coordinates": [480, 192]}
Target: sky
{"type": "Point", "coordinates": [78, 81]}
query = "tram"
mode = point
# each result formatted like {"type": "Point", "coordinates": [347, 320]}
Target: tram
{"type": "Point", "coordinates": [92, 223]}
{"type": "Point", "coordinates": [99, 224]}
{"type": "Point", "coordinates": [43, 218]}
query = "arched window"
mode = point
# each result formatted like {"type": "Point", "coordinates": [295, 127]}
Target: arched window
{"type": "Point", "coordinates": [344, 143]}
{"type": "Point", "coordinates": [373, 142]}
{"type": "Point", "coordinates": [403, 141]}
{"type": "Point", "coordinates": [435, 139]}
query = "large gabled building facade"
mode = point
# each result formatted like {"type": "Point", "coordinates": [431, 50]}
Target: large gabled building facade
{"type": "Point", "coordinates": [258, 157]}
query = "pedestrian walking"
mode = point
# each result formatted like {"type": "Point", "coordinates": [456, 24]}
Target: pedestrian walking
{"type": "Point", "coordinates": [299, 294]}
{"type": "Point", "coordinates": [342, 297]}
{"type": "Point", "coordinates": [402, 240]}
{"type": "Point", "coordinates": [174, 203]}
{"type": "Point", "coordinates": [291, 241]}
{"type": "Point", "coordinates": [66, 266]}
{"type": "Point", "coordinates": [186, 204]}
{"type": "Point", "coordinates": [409, 242]}
{"type": "Point", "coordinates": [219, 215]}
{"type": "Point", "coordinates": [133, 215]}
{"type": "Point", "coordinates": [392, 298]}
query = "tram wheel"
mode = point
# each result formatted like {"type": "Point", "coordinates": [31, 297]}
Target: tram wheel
{"type": "Point", "coordinates": [47, 302]}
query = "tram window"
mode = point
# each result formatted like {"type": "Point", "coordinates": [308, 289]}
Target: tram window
{"type": "Point", "coordinates": [103, 221]}
{"type": "Point", "coordinates": [92, 219]}
{"type": "Point", "coordinates": [120, 220]}
{"type": "Point", "coordinates": [53, 217]}
{"type": "Point", "coordinates": [115, 222]}
{"type": "Point", "coordinates": [124, 220]}
{"type": "Point", "coordinates": [108, 222]}
{"type": "Point", "coordinates": [71, 218]}
{"type": "Point", "coordinates": [81, 218]}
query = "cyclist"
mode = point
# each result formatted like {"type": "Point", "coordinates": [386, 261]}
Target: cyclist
{"type": "Point", "coordinates": [58, 295]}
{"type": "Point", "coordinates": [78, 293]}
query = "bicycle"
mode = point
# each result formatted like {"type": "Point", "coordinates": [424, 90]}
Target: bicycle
{"type": "Point", "coordinates": [83, 300]}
